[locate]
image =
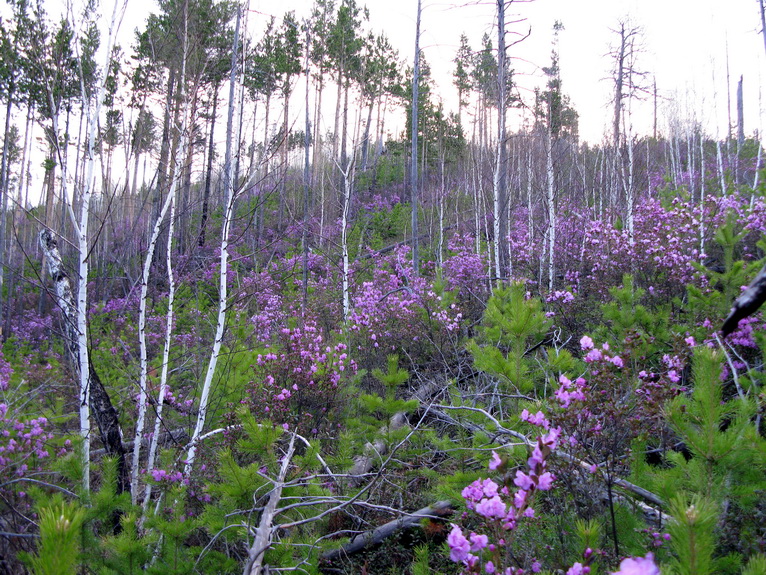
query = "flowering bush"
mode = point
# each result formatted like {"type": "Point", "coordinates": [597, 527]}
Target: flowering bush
{"type": "Point", "coordinates": [298, 382]}
{"type": "Point", "coordinates": [500, 510]}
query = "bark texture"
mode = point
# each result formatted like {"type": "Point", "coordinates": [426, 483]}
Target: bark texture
{"type": "Point", "coordinates": [103, 411]}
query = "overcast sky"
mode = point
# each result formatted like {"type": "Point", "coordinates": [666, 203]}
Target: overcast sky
{"type": "Point", "coordinates": [685, 48]}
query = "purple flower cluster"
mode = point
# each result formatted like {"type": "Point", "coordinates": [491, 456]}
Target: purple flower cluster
{"type": "Point", "coordinates": [167, 477]}
{"type": "Point", "coordinates": [298, 382]}
{"type": "Point", "coordinates": [23, 444]}
{"type": "Point", "coordinates": [500, 509]}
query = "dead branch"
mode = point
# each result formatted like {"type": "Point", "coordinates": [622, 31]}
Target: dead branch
{"type": "Point", "coordinates": [438, 510]}
{"type": "Point", "coordinates": [262, 541]}
{"type": "Point", "coordinates": [438, 412]}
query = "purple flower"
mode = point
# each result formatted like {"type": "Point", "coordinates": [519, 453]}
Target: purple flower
{"type": "Point", "coordinates": [489, 488]}
{"type": "Point", "coordinates": [458, 544]}
{"type": "Point", "coordinates": [478, 542]}
{"type": "Point", "coordinates": [586, 342]}
{"type": "Point", "coordinates": [545, 481]}
{"type": "Point", "coordinates": [593, 355]}
{"type": "Point", "coordinates": [495, 462]}
{"type": "Point", "coordinates": [551, 438]}
{"type": "Point", "coordinates": [493, 507]}
{"type": "Point", "coordinates": [617, 361]}
{"type": "Point", "coordinates": [473, 492]}
{"type": "Point", "coordinates": [578, 569]}
{"type": "Point", "coordinates": [523, 481]}
{"type": "Point", "coordinates": [537, 419]}
{"type": "Point", "coordinates": [638, 566]}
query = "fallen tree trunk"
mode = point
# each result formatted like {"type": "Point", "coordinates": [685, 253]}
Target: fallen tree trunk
{"type": "Point", "coordinates": [438, 510]}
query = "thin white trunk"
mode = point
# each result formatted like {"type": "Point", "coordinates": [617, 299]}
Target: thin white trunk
{"type": "Point", "coordinates": [500, 200]}
{"type": "Point", "coordinates": [629, 189]}
{"type": "Point", "coordinates": [757, 173]}
{"type": "Point", "coordinates": [169, 200]}
{"type": "Point", "coordinates": [143, 377]}
{"type": "Point", "coordinates": [84, 252]}
{"type": "Point", "coordinates": [702, 197]}
{"type": "Point", "coordinates": [442, 199]}
{"type": "Point", "coordinates": [720, 167]}
{"type": "Point", "coordinates": [348, 184]}
{"type": "Point", "coordinates": [551, 207]}
{"type": "Point", "coordinates": [496, 240]}
{"type": "Point", "coordinates": [530, 208]}
{"type": "Point", "coordinates": [165, 352]}
{"type": "Point", "coordinates": [414, 142]}
{"type": "Point", "coordinates": [224, 262]}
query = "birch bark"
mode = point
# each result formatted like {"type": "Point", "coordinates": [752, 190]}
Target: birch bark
{"type": "Point", "coordinates": [224, 260]}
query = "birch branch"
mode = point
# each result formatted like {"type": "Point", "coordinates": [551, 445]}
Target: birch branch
{"type": "Point", "coordinates": [263, 538]}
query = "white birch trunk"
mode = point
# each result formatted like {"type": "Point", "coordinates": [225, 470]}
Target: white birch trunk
{"type": "Point", "coordinates": [165, 354]}
{"type": "Point", "coordinates": [551, 207]}
{"type": "Point", "coordinates": [702, 198]}
{"type": "Point", "coordinates": [757, 173]}
{"type": "Point", "coordinates": [224, 263]}
{"type": "Point", "coordinates": [629, 189]}
{"type": "Point", "coordinates": [720, 167]}
{"type": "Point", "coordinates": [496, 240]}
{"type": "Point", "coordinates": [442, 199]}
{"type": "Point", "coordinates": [530, 207]}
{"type": "Point", "coordinates": [84, 252]}
{"type": "Point", "coordinates": [143, 396]}
{"type": "Point", "coordinates": [348, 184]}
{"type": "Point", "coordinates": [500, 200]}
{"type": "Point", "coordinates": [169, 200]}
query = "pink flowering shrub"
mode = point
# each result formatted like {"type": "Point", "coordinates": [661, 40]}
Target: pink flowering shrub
{"type": "Point", "coordinates": [664, 248]}
{"type": "Point", "coordinates": [26, 445]}
{"type": "Point", "coordinates": [499, 509]}
{"type": "Point", "coordinates": [298, 383]}
{"type": "Point", "coordinates": [464, 269]}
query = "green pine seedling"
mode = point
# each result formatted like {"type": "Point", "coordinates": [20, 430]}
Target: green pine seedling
{"type": "Point", "coordinates": [511, 325]}
{"type": "Point", "coordinates": [692, 535]}
{"type": "Point", "coordinates": [59, 549]}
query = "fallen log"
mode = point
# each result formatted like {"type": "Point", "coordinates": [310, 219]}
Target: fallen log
{"type": "Point", "coordinates": [438, 510]}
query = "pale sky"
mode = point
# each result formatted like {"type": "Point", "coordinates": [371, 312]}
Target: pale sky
{"type": "Point", "coordinates": [685, 48]}
{"type": "Point", "coordinates": [685, 44]}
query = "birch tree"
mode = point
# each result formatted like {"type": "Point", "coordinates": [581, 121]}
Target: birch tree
{"type": "Point", "coordinates": [75, 311]}
{"type": "Point", "coordinates": [149, 258]}
{"type": "Point", "coordinates": [230, 196]}
{"type": "Point", "coordinates": [414, 148]}
{"type": "Point", "coordinates": [557, 120]}
{"type": "Point", "coordinates": [500, 196]}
